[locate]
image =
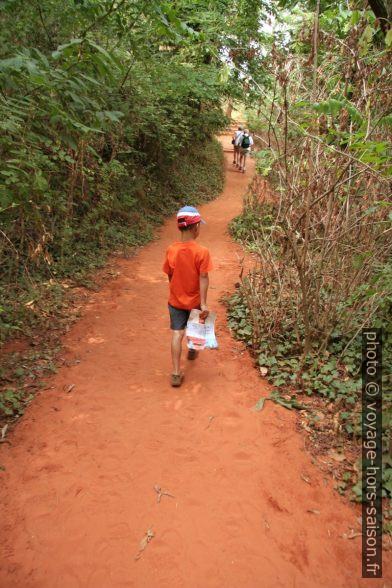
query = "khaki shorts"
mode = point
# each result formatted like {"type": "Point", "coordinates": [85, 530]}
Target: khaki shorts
{"type": "Point", "coordinates": [237, 148]}
{"type": "Point", "coordinates": [245, 152]}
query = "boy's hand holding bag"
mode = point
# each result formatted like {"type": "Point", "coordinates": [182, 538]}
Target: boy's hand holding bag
{"type": "Point", "coordinates": [201, 335]}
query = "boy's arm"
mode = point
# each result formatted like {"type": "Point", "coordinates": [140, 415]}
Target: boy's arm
{"type": "Point", "coordinates": [204, 282]}
{"type": "Point", "coordinates": [166, 268]}
{"type": "Point", "coordinates": [205, 267]}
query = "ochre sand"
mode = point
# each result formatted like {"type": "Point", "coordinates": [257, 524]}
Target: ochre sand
{"type": "Point", "coordinates": [78, 494]}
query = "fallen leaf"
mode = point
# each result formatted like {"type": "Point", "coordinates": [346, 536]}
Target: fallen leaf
{"type": "Point", "coordinates": [267, 524]}
{"type": "Point", "coordinates": [305, 426]}
{"type": "Point", "coordinates": [263, 371]}
{"type": "Point", "coordinates": [144, 542]}
{"type": "Point", "coordinates": [3, 434]}
{"type": "Point", "coordinates": [316, 512]}
{"type": "Point", "coordinates": [259, 404]}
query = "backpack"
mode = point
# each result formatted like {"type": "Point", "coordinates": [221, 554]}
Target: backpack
{"type": "Point", "coordinates": [245, 143]}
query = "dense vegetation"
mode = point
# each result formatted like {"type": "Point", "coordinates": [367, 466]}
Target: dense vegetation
{"type": "Point", "coordinates": [103, 107]}
{"type": "Point", "coordinates": [322, 240]}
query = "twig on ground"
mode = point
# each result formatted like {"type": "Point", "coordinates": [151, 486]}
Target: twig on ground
{"type": "Point", "coordinates": [210, 419]}
{"type": "Point", "coordinates": [161, 493]}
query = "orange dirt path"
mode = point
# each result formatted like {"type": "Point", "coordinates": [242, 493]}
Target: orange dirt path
{"type": "Point", "coordinates": [78, 493]}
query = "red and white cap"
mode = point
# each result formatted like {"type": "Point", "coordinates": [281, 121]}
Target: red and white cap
{"type": "Point", "coordinates": [188, 215]}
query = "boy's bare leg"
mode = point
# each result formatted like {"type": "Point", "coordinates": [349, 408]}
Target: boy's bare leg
{"type": "Point", "coordinates": [176, 346]}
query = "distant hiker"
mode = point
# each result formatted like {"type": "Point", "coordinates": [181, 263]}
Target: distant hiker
{"type": "Point", "coordinates": [246, 143]}
{"type": "Point", "coordinates": [236, 160]}
{"type": "Point", "coordinates": [187, 265]}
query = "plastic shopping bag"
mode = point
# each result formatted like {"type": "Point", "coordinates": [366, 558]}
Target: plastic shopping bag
{"type": "Point", "coordinates": [201, 336]}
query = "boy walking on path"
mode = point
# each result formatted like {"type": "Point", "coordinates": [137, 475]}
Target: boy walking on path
{"type": "Point", "coordinates": [187, 265]}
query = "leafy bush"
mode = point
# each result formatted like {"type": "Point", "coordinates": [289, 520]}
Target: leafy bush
{"type": "Point", "coordinates": [98, 137]}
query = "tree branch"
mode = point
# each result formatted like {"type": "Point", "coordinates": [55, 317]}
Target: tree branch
{"type": "Point", "coordinates": [101, 18]}
{"type": "Point", "coordinates": [51, 44]}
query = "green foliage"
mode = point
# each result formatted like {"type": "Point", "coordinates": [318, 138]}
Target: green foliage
{"type": "Point", "coordinates": [245, 226]}
{"type": "Point", "coordinates": [100, 116]}
{"type": "Point", "coordinates": [321, 250]}
{"type": "Point", "coordinates": [271, 326]}
{"type": "Point", "coordinates": [120, 223]}
{"type": "Point", "coordinates": [335, 378]}
{"type": "Point", "coordinates": [265, 159]}
{"type": "Point", "coordinates": [13, 403]}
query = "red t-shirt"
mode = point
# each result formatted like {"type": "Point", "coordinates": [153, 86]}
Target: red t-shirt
{"type": "Point", "coordinates": [184, 262]}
